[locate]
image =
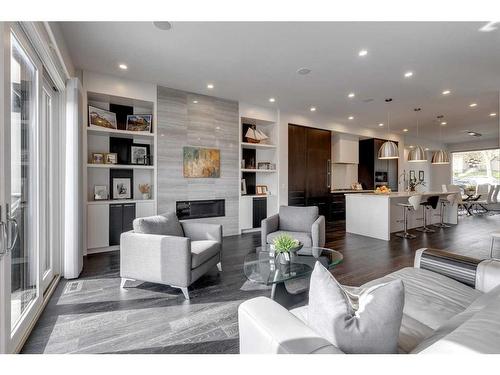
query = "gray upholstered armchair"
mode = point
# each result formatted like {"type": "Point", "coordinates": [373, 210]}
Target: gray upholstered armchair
{"type": "Point", "coordinates": [302, 223]}
{"type": "Point", "coordinates": [162, 250]}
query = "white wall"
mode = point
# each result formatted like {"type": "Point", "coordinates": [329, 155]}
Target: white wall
{"type": "Point", "coordinates": [62, 48]}
{"type": "Point", "coordinates": [118, 86]}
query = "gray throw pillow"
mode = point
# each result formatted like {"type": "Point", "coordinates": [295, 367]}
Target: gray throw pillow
{"type": "Point", "coordinates": [364, 323]}
{"type": "Point", "coordinates": [166, 224]}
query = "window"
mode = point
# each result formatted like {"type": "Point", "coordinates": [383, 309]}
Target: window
{"type": "Point", "coordinates": [472, 168]}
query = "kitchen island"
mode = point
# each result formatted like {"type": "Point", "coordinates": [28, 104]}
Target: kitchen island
{"type": "Point", "coordinates": [378, 215]}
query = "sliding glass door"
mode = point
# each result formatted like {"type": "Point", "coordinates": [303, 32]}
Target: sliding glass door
{"type": "Point", "coordinates": [21, 209]}
{"type": "Point", "coordinates": [27, 209]}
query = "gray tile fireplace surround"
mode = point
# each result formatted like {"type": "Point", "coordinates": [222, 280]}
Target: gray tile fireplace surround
{"type": "Point", "coordinates": [210, 123]}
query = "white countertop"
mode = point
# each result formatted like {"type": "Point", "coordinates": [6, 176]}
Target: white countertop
{"type": "Point", "coordinates": [344, 191]}
{"type": "Point", "coordinates": [403, 194]}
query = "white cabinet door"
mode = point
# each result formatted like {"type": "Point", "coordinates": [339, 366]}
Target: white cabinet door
{"type": "Point", "coordinates": [143, 209]}
{"type": "Point", "coordinates": [97, 226]}
{"type": "Point", "coordinates": [246, 213]}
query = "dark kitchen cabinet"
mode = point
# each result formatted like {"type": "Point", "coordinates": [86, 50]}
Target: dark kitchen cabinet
{"type": "Point", "coordinates": [374, 172]}
{"type": "Point", "coordinates": [121, 217]}
{"type": "Point", "coordinates": [338, 206]}
{"type": "Point", "coordinates": [309, 167]}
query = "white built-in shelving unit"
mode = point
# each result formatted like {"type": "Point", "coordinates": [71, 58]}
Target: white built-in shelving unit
{"type": "Point", "coordinates": [265, 120]}
{"type": "Point", "coordinates": [101, 91]}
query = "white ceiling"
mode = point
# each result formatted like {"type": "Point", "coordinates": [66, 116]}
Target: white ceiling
{"type": "Point", "coordinates": [253, 61]}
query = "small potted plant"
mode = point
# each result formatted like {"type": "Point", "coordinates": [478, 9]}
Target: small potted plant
{"type": "Point", "coordinates": [145, 190]}
{"type": "Point", "coordinates": [284, 246]}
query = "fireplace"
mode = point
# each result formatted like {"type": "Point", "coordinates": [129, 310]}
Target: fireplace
{"type": "Point", "coordinates": [200, 209]}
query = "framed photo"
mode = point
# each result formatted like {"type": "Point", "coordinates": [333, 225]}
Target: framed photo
{"type": "Point", "coordinates": [420, 175]}
{"type": "Point", "coordinates": [261, 189]}
{"type": "Point", "coordinates": [111, 158]}
{"type": "Point", "coordinates": [121, 188]}
{"type": "Point", "coordinates": [139, 154]}
{"type": "Point", "coordinates": [139, 123]}
{"type": "Point", "coordinates": [412, 175]}
{"type": "Point", "coordinates": [263, 165]}
{"type": "Point", "coordinates": [100, 192]}
{"type": "Point", "coordinates": [100, 118]}
{"type": "Point", "coordinates": [97, 158]}
{"type": "Point", "coordinates": [243, 187]}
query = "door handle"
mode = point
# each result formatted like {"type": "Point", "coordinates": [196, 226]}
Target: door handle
{"type": "Point", "coordinates": [3, 235]}
{"type": "Point", "coordinates": [328, 173]}
{"type": "Point", "coordinates": [12, 229]}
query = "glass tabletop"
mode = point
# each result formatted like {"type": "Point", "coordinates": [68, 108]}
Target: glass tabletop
{"type": "Point", "coordinates": [265, 268]}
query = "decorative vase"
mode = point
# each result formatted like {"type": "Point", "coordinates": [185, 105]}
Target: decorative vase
{"type": "Point", "coordinates": [284, 258]}
{"type": "Point", "coordinates": [145, 196]}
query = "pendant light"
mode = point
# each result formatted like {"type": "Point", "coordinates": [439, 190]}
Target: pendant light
{"type": "Point", "coordinates": [388, 150]}
{"type": "Point", "coordinates": [440, 156]}
{"type": "Point", "coordinates": [417, 154]}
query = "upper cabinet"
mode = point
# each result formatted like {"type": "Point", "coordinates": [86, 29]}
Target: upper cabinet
{"type": "Point", "coordinates": [345, 148]}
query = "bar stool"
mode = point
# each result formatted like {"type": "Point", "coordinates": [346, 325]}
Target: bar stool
{"type": "Point", "coordinates": [493, 237]}
{"type": "Point", "coordinates": [413, 204]}
{"type": "Point", "coordinates": [431, 202]}
{"type": "Point", "coordinates": [443, 203]}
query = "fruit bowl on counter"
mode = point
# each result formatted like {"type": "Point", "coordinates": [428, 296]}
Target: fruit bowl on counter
{"type": "Point", "coordinates": [382, 190]}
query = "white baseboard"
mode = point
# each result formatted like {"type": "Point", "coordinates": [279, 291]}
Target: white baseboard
{"type": "Point", "coordinates": [103, 249]}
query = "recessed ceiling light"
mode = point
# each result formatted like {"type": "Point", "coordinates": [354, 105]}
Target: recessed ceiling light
{"type": "Point", "coordinates": [312, 109]}
{"type": "Point", "coordinates": [405, 130]}
{"type": "Point", "coordinates": [272, 100]}
{"type": "Point", "coordinates": [493, 114]}
{"type": "Point", "coordinates": [363, 52]}
{"type": "Point", "coordinates": [123, 67]}
{"type": "Point", "coordinates": [217, 128]}
{"type": "Point", "coordinates": [426, 149]}
{"type": "Point", "coordinates": [163, 25]}
{"type": "Point", "coordinates": [304, 71]}
{"type": "Point", "coordinates": [408, 74]}
{"type": "Point", "coordinates": [411, 146]}
{"type": "Point", "coordinates": [351, 95]}
{"type": "Point", "coordinates": [443, 123]}
{"type": "Point", "coordinates": [351, 117]}
{"type": "Point", "coordinates": [474, 134]}
{"type": "Point", "coordinates": [446, 92]}
{"type": "Point", "coordinates": [210, 86]}
{"type": "Point", "coordinates": [473, 105]}
{"type": "Point", "coordinates": [195, 101]}
{"type": "Point", "coordinates": [381, 124]}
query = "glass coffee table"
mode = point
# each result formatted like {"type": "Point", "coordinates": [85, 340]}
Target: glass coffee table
{"type": "Point", "coordinates": [289, 281]}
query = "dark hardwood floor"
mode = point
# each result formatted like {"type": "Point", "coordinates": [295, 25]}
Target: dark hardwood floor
{"type": "Point", "coordinates": [93, 315]}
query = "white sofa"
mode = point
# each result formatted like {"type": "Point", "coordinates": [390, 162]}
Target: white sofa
{"type": "Point", "coordinates": [452, 305]}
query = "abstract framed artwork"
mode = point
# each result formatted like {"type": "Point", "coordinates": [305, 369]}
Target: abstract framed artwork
{"type": "Point", "coordinates": [201, 162]}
